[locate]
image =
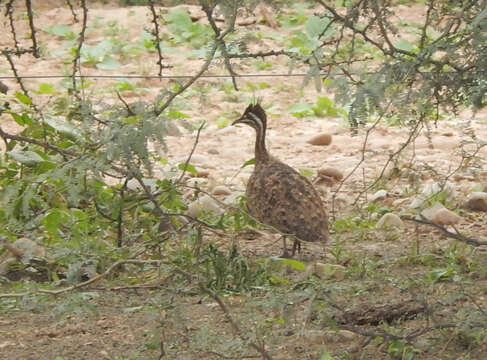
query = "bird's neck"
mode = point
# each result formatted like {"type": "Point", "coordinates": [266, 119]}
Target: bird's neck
{"type": "Point", "coordinates": [261, 154]}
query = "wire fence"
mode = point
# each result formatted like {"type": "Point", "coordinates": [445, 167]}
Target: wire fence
{"type": "Point", "coordinates": [207, 76]}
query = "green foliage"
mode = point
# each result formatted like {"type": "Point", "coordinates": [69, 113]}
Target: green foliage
{"type": "Point", "coordinates": [185, 31]}
{"type": "Point", "coordinates": [324, 107]}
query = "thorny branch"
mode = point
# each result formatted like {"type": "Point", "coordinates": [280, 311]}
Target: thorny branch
{"type": "Point", "coordinates": [188, 159]}
{"type": "Point", "coordinates": [235, 327]}
{"type": "Point", "coordinates": [94, 279]}
{"type": "Point", "coordinates": [156, 34]}
{"type": "Point", "coordinates": [77, 55]}
{"type": "Point", "coordinates": [446, 232]}
{"type": "Point", "coordinates": [30, 15]}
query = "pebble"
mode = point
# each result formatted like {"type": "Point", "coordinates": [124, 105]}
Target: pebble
{"type": "Point", "coordinates": [320, 337]}
{"type": "Point", "coordinates": [199, 174]}
{"type": "Point", "coordinates": [213, 151]}
{"type": "Point", "coordinates": [445, 217]}
{"type": "Point", "coordinates": [389, 220]}
{"type": "Point", "coordinates": [433, 188]}
{"type": "Point", "coordinates": [221, 190]}
{"type": "Point", "coordinates": [331, 172]}
{"type": "Point", "coordinates": [198, 159]}
{"type": "Point", "coordinates": [379, 195]}
{"type": "Point", "coordinates": [27, 249]}
{"type": "Point", "coordinates": [430, 212]}
{"type": "Point", "coordinates": [204, 203]}
{"type": "Point", "coordinates": [477, 201]}
{"type": "Point", "coordinates": [416, 202]}
{"type": "Point", "coordinates": [171, 129]}
{"type": "Point", "coordinates": [341, 201]}
{"type": "Point", "coordinates": [328, 271]}
{"type": "Point", "coordinates": [320, 140]}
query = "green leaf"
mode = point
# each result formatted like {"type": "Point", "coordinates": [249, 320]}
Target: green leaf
{"type": "Point", "coordinates": [108, 63]}
{"type": "Point", "coordinates": [28, 158]}
{"type": "Point", "coordinates": [45, 88]}
{"type": "Point", "coordinates": [315, 26]}
{"type": "Point", "coordinates": [300, 110]}
{"type": "Point", "coordinates": [405, 45]}
{"type": "Point", "coordinates": [22, 120]}
{"type": "Point", "coordinates": [53, 219]}
{"type": "Point", "coordinates": [326, 356]}
{"type": "Point", "coordinates": [189, 168]}
{"type": "Point", "coordinates": [60, 30]}
{"type": "Point", "coordinates": [295, 264]}
{"type": "Point", "coordinates": [248, 162]}
{"type": "Point", "coordinates": [173, 114]}
{"type": "Point", "coordinates": [24, 99]}
{"type": "Point", "coordinates": [306, 172]}
{"type": "Point", "coordinates": [436, 275]}
{"type": "Point", "coordinates": [63, 127]}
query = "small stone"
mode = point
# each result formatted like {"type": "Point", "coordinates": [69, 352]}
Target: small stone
{"type": "Point", "coordinates": [329, 271]}
{"type": "Point", "coordinates": [389, 220]}
{"type": "Point", "coordinates": [477, 201]}
{"type": "Point", "coordinates": [398, 202]}
{"type": "Point", "coordinates": [204, 203]}
{"type": "Point", "coordinates": [213, 151]}
{"type": "Point", "coordinates": [221, 190]}
{"type": "Point", "coordinates": [433, 188]}
{"type": "Point", "coordinates": [339, 336]}
{"type": "Point", "coordinates": [200, 174]}
{"type": "Point", "coordinates": [445, 217]}
{"type": "Point", "coordinates": [378, 196]}
{"type": "Point", "coordinates": [429, 213]}
{"type": "Point", "coordinates": [21, 249]}
{"type": "Point", "coordinates": [197, 159]}
{"type": "Point", "coordinates": [331, 172]}
{"type": "Point", "coordinates": [416, 202]}
{"type": "Point", "coordinates": [320, 140]}
{"type": "Point", "coordinates": [171, 129]}
{"type": "Point", "coordinates": [341, 201]}
{"type": "Point", "coordinates": [314, 337]}
{"type": "Point", "coordinates": [324, 180]}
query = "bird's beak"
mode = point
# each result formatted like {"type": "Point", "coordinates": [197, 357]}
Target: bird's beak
{"type": "Point", "coordinates": [239, 120]}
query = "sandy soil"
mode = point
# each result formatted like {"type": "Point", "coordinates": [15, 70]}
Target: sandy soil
{"type": "Point", "coordinates": [124, 325]}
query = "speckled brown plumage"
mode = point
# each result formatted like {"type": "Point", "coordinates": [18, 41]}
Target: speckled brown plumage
{"type": "Point", "coordinates": [278, 195]}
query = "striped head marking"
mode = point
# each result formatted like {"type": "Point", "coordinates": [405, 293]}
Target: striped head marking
{"type": "Point", "coordinates": [254, 116]}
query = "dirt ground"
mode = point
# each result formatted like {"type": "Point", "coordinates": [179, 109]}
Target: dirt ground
{"type": "Point", "coordinates": [132, 324]}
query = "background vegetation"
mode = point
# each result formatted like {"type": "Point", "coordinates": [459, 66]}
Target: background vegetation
{"type": "Point", "coordinates": [81, 176]}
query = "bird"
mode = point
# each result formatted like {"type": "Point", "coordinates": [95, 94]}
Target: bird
{"type": "Point", "coordinates": [278, 195]}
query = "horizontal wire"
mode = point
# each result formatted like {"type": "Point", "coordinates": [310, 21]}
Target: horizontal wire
{"type": "Point", "coordinates": [152, 76]}
{"type": "Point", "coordinates": [128, 76]}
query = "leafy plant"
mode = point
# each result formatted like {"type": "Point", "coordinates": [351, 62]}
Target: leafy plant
{"type": "Point", "coordinates": [185, 31]}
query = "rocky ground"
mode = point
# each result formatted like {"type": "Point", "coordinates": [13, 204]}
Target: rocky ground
{"type": "Point", "coordinates": [124, 325]}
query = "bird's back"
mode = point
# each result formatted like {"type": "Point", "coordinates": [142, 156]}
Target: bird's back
{"type": "Point", "coordinates": [279, 196]}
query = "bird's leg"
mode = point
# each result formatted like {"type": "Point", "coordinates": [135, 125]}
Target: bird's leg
{"type": "Point", "coordinates": [285, 254]}
{"type": "Point", "coordinates": [296, 245]}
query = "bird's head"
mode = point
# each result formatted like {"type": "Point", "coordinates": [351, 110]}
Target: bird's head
{"type": "Point", "coordinates": [254, 116]}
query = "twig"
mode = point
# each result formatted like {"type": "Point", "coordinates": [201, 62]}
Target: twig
{"type": "Point", "coordinates": [155, 33]}
{"type": "Point", "coordinates": [186, 163]}
{"type": "Point", "coordinates": [29, 140]}
{"type": "Point", "coordinates": [10, 13]}
{"type": "Point", "coordinates": [30, 15]}
{"type": "Point", "coordinates": [453, 235]}
{"type": "Point", "coordinates": [14, 70]}
{"type": "Point", "coordinates": [75, 18]}
{"type": "Point", "coordinates": [88, 282]}
{"type": "Point", "coordinates": [77, 55]}
{"type": "Point", "coordinates": [99, 277]}
{"type": "Point", "coordinates": [235, 327]}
